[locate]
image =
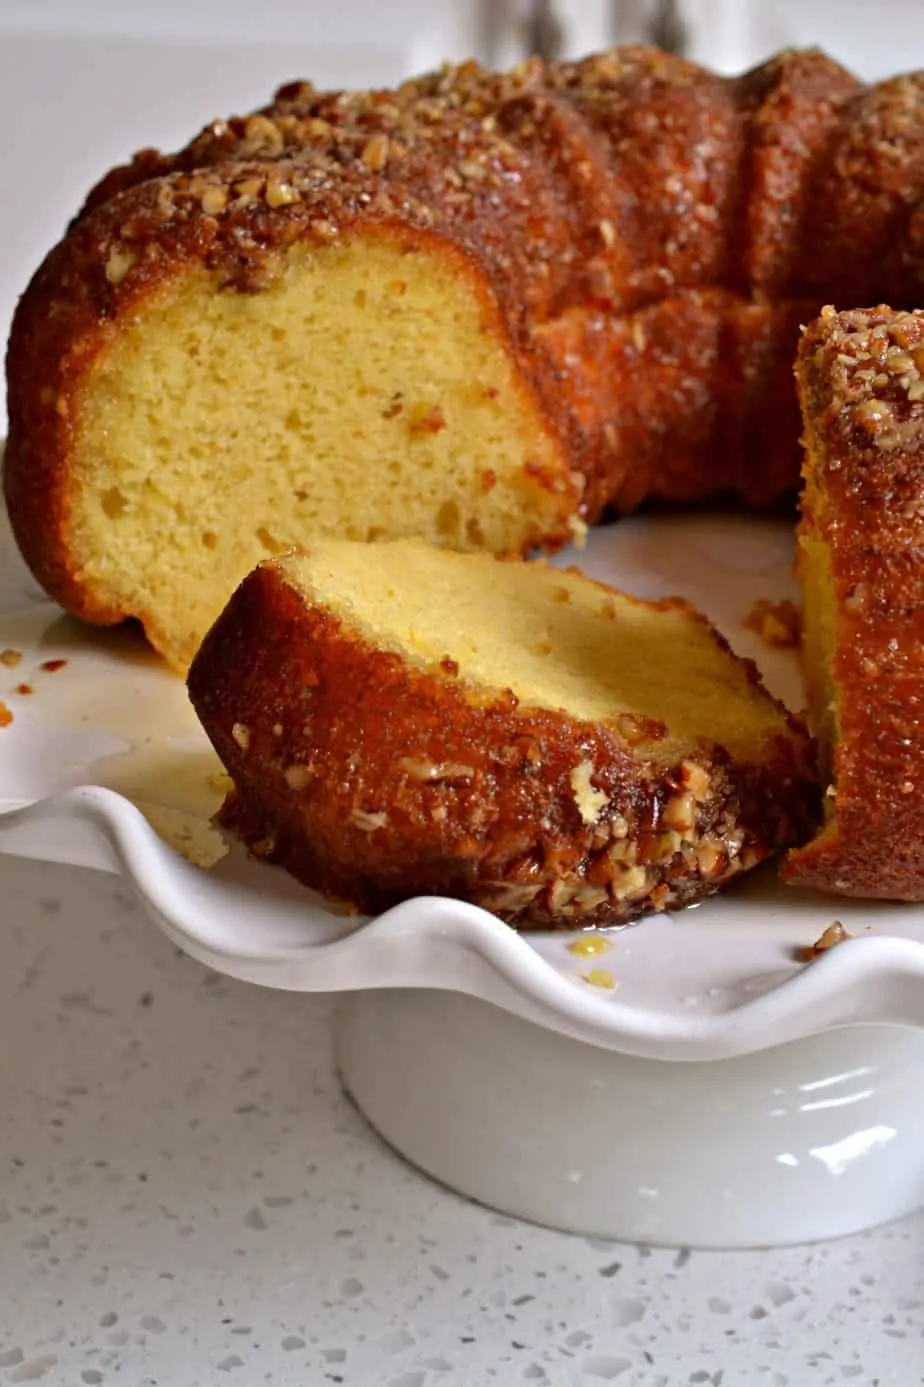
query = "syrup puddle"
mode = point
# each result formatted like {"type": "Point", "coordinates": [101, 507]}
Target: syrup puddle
{"type": "Point", "coordinates": [112, 685]}
{"type": "Point", "coordinates": [178, 792]}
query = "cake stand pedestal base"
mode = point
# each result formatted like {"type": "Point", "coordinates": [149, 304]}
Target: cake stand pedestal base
{"type": "Point", "coordinates": [810, 1140]}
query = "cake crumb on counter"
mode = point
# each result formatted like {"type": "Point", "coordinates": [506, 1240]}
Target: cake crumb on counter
{"type": "Point", "coordinates": [6, 717]}
{"type": "Point", "coordinates": [10, 658]}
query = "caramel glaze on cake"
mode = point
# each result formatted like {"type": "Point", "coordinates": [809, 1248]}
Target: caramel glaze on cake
{"type": "Point", "coordinates": [640, 237]}
{"type": "Point", "coordinates": [377, 753]}
{"type": "Point", "coordinates": [861, 543]}
{"type": "Point", "coordinates": [654, 232]}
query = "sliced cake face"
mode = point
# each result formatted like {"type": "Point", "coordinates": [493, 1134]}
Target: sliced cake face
{"type": "Point", "coordinates": [861, 545]}
{"type": "Point", "coordinates": [402, 720]}
{"type": "Point", "coordinates": [557, 640]}
{"type": "Point", "coordinates": [366, 389]}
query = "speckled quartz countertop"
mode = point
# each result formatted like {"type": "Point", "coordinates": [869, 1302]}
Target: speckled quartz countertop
{"type": "Point", "coordinates": [187, 1199]}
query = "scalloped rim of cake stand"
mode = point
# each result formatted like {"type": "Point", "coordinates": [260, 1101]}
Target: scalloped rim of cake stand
{"type": "Point", "coordinates": [252, 931]}
{"type": "Point", "coordinates": [721, 979]}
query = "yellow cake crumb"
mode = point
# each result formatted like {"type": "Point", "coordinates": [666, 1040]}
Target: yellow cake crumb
{"type": "Point", "coordinates": [777, 623]}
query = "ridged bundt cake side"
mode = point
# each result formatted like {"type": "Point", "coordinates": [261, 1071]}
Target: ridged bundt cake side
{"type": "Point", "coordinates": [861, 538]}
{"type": "Point", "coordinates": [402, 720]}
{"type": "Point", "coordinates": [481, 308]}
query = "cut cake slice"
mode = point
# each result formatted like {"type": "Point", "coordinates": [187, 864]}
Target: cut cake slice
{"type": "Point", "coordinates": [402, 720]}
{"type": "Point", "coordinates": [860, 557]}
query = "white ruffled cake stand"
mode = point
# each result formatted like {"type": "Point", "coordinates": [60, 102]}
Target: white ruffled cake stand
{"type": "Point", "coordinates": [696, 1083]}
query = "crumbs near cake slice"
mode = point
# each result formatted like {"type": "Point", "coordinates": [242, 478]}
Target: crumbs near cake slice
{"type": "Point", "coordinates": [777, 623]}
{"type": "Point", "coordinates": [6, 717]}
{"type": "Point", "coordinates": [219, 781]}
{"type": "Point", "coordinates": [10, 658]}
{"type": "Point", "coordinates": [829, 939]}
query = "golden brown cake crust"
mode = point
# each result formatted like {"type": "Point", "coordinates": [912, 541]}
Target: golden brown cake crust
{"type": "Point", "coordinates": [644, 231]}
{"type": "Point", "coordinates": [373, 780]}
{"type": "Point", "coordinates": [861, 377]}
{"type": "Point", "coordinates": [655, 221]}
{"type": "Point", "coordinates": [648, 236]}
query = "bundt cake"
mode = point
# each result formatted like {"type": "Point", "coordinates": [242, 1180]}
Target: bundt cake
{"type": "Point", "coordinates": [480, 309]}
{"type": "Point", "coordinates": [861, 542]}
{"type": "Point", "coordinates": [400, 719]}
